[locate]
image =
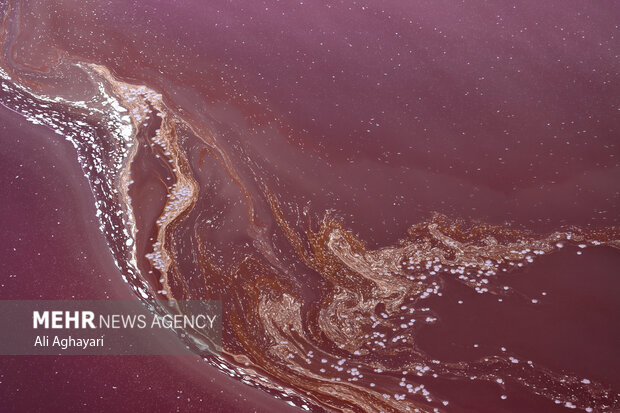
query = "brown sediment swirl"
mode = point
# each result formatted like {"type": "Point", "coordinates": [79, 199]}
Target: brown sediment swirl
{"type": "Point", "coordinates": [312, 314]}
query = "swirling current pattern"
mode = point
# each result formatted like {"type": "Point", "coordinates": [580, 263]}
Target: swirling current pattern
{"type": "Point", "coordinates": [314, 314]}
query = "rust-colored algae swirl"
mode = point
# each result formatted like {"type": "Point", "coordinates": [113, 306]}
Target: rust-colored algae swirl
{"type": "Point", "coordinates": [311, 313]}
